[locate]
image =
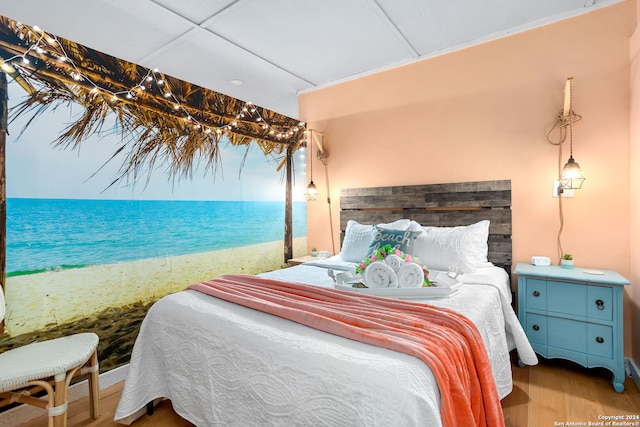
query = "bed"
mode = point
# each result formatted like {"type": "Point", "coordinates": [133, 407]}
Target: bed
{"type": "Point", "coordinates": [221, 363]}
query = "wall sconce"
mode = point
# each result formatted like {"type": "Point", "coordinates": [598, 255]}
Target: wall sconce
{"type": "Point", "coordinates": [571, 176]}
{"type": "Point", "coordinates": [311, 193]}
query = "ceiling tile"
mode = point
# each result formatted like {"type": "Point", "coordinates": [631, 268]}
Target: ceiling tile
{"type": "Point", "coordinates": [319, 42]}
{"type": "Point", "coordinates": [195, 11]}
{"type": "Point", "coordinates": [129, 30]}
{"type": "Point", "coordinates": [434, 27]}
{"type": "Point", "coordinates": [210, 61]}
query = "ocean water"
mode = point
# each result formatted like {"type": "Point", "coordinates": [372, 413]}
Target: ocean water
{"type": "Point", "coordinates": [49, 234]}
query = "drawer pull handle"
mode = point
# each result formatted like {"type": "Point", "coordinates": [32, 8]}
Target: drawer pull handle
{"type": "Point", "coordinates": [599, 340]}
{"type": "Point", "coordinates": [537, 328]}
{"type": "Point", "coordinates": [536, 293]}
{"type": "Point", "coordinates": [600, 304]}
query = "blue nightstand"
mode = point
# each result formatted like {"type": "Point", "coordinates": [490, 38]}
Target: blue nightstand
{"type": "Point", "coordinates": [574, 315]}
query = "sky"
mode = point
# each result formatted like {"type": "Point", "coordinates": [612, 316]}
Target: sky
{"type": "Point", "coordinates": [35, 169]}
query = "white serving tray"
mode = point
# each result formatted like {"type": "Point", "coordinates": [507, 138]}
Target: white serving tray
{"type": "Point", "coordinates": [436, 290]}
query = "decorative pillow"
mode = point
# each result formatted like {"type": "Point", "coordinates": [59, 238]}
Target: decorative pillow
{"type": "Point", "coordinates": [464, 247]}
{"type": "Point", "coordinates": [356, 241]}
{"type": "Point", "coordinates": [398, 239]}
{"type": "Point", "coordinates": [358, 236]}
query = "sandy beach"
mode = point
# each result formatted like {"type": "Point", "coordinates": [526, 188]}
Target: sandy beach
{"type": "Point", "coordinates": [112, 299]}
{"type": "Point", "coordinates": [47, 300]}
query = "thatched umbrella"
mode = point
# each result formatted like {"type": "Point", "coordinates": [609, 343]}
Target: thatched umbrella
{"type": "Point", "coordinates": [161, 119]}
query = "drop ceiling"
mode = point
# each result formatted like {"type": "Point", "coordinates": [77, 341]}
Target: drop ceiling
{"type": "Point", "coordinates": [280, 48]}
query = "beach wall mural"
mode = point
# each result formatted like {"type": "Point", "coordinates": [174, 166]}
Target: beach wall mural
{"type": "Point", "coordinates": [83, 255]}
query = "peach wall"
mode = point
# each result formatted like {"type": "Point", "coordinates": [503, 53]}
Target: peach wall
{"type": "Point", "coordinates": [634, 160]}
{"type": "Point", "coordinates": [482, 113]}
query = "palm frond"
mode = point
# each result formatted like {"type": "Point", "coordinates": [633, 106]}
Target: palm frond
{"type": "Point", "coordinates": [163, 122]}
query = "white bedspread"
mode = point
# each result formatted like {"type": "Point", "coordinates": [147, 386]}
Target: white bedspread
{"type": "Point", "coordinates": [226, 365]}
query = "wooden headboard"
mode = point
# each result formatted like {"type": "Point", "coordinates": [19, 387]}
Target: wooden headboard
{"type": "Point", "coordinates": [444, 205]}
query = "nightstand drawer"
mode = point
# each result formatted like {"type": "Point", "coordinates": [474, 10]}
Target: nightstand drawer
{"type": "Point", "coordinates": [567, 298]}
{"type": "Point", "coordinates": [600, 340]}
{"type": "Point", "coordinates": [567, 334]}
{"type": "Point", "coordinates": [536, 328]}
{"type": "Point", "coordinates": [536, 294]}
{"type": "Point", "coordinates": [600, 303]}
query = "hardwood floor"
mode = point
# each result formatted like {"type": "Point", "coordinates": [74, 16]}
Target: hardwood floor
{"type": "Point", "coordinates": [552, 393]}
{"type": "Point", "coordinates": [557, 392]}
{"type": "Point", "coordinates": [78, 413]}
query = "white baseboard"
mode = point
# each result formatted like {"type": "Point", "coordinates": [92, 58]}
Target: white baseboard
{"type": "Point", "coordinates": [23, 413]}
{"type": "Point", "coordinates": [635, 372]}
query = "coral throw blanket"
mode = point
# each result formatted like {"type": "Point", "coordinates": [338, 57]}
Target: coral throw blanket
{"type": "Point", "coordinates": [446, 341]}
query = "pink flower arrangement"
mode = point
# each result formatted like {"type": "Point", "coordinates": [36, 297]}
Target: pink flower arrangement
{"type": "Point", "coordinates": [381, 253]}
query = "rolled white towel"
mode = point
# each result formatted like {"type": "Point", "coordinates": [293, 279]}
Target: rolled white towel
{"type": "Point", "coordinates": [394, 261]}
{"type": "Point", "coordinates": [410, 275]}
{"type": "Point", "coordinates": [380, 275]}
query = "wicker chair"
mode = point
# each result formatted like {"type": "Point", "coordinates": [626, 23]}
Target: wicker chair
{"type": "Point", "coordinates": [50, 366]}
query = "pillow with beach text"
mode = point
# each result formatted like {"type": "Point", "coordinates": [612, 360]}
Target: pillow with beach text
{"type": "Point", "coordinates": [357, 237]}
{"type": "Point", "coordinates": [402, 240]}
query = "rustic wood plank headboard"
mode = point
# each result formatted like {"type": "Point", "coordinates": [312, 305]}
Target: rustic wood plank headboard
{"type": "Point", "coordinates": [444, 205]}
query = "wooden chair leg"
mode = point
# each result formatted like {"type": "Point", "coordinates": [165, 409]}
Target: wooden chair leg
{"type": "Point", "coordinates": [59, 414]}
{"type": "Point", "coordinates": [30, 400]}
{"type": "Point", "coordinates": [94, 385]}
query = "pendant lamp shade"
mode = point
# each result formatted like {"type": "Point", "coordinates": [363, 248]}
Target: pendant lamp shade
{"type": "Point", "coordinates": [572, 176]}
{"type": "Point", "coordinates": [311, 193]}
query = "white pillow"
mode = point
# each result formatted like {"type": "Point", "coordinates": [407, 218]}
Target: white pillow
{"type": "Point", "coordinates": [357, 237]}
{"type": "Point", "coordinates": [464, 247]}
{"type": "Point", "coordinates": [356, 241]}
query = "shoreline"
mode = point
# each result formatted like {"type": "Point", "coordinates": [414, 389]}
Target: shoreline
{"type": "Point", "coordinates": [47, 299]}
